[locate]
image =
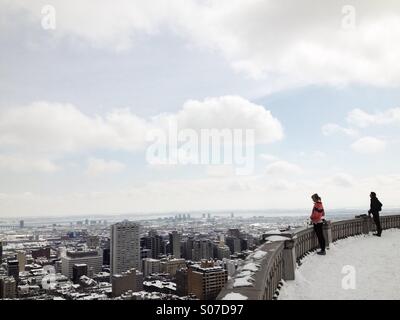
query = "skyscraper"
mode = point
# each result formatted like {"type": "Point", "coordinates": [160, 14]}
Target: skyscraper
{"type": "Point", "coordinates": [175, 241]}
{"type": "Point", "coordinates": [21, 257]}
{"type": "Point", "coordinates": [125, 247]}
{"type": "Point", "coordinates": [12, 268]}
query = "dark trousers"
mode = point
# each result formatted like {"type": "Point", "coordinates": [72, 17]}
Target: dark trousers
{"type": "Point", "coordinates": [318, 228]}
{"type": "Point", "coordinates": [377, 221]}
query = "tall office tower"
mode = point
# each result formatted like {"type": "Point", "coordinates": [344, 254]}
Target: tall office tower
{"type": "Point", "coordinates": [21, 257]}
{"type": "Point", "coordinates": [189, 244]}
{"type": "Point", "coordinates": [13, 269]}
{"type": "Point", "coordinates": [233, 243]}
{"type": "Point", "coordinates": [125, 247]}
{"type": "Point", "coordinates": [1, 251]}
{"type": "Point", "coordinates": [175, 241]}
{"type": "Point", "coordinates": [8, 288]}
{"type": "Point", "coordinates": [129, 280]}
{"type": "Point", "coordinates": [155, 243]}
{"type": "Point", "coordinates": [21, 224]}
{"type": "Point", "coordinates": [202, 249]}
{"type": "Point", "coordinates": [206, 281]}
{"type": "Point", "coordinates": [92, 258]}
{"type": "Point", "coordinates": [209, 215]}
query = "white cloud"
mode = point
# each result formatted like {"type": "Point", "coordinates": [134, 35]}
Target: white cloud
{"type": "Point", "coordinates": [362, 119]}
{"type": "Point", "coordinates": [23, 164]}
{"type": "Point", "coordinates": [331, 129]}
{"type": "Point", "coordinates": [369, 145]}
{"type": "Point", "coordinates": [290, 43]}
{"type": "Point", "coordinates": [230, 112]}
{"type": "Point", "coordinates": [57, 128]}
{"type": "Point", "coordinates": [100, 166]}
{"type": "Point", "coordinates": [53, 128]}
{"type": "Point", "coordinates": [283, 168]}
{"type": "Point", "coordinates": [342, 180]}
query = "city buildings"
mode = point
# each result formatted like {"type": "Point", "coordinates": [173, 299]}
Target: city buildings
{"type": "Point", "coordinates": [92, 242]}
{"type": "Point", "coordinates": [79, 270]}
{"type": "Point", "coordinates": [175, 242]}
{"type": "Point", "coordinates": [125, 247]}
{"type": "Point", "coordinates": [171, 265]}
{"type": "Point", "coordinates": [151, 266]}
{"type": "Point", "coordinates": [92, 258]}
{"type": "Point", "coordinates": [12, 268]}
{"type": "Point", "coordinates": [21, 257]}
{"type": "Point", "coordinates": [8, 288]}
{"type": "Point", "coordinates": [233, 243]}
{"type": "Point", "coordinates": [206, 281]}
{"type": "Point", "coordinates": [131, 280]}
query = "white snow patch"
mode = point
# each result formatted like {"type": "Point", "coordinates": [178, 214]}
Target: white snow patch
{"type": "Point", "coordinates": [259, 254]}
{"type": "Point", "coordinates": [276, 238]}
{"type": "Point", "coordinates": [234, 296]}
{"type": "Point", "coordinates": [243, 282]}
{"type": "Point", "coordinates": [251, 266]}
{"type": "Point", "coordinates": [244, 274]}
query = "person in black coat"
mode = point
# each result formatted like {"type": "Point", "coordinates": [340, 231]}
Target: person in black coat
{"type": "Point", "coordinates": [376, 207]}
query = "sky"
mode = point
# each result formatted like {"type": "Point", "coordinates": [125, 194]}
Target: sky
{"type": "Point", "coordinates": [84, 83]}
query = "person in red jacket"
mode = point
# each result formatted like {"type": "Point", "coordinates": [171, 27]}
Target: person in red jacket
{"type": "Point", "coordinates": [317, 218]}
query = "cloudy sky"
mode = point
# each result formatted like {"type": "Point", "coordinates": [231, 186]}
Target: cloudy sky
{"type": "Point", "coordinates": [83, 82]}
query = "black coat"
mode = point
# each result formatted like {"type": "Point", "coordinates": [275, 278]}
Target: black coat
{"type": "Point", "coordinates": [376, 205]}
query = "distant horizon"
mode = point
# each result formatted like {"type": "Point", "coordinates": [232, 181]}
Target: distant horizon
{"type": "Point", "coordinates": [270, 212]}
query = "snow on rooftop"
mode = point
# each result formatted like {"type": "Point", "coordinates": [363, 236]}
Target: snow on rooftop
{"type": "Point", "coordinates": [374, 263]}
{"type": "Point", "coordinates": [244, 273]}
{"type": "Point", "coordinates": [234, 296]}
{"type": "Point", "coordinates": [259, 254]}
{"type": "Point", "coordinates": [246, 281]}
{"type": "Point", "coordinates": [276, 238]}
{"type": "Point", "coordinates": [251, 266]}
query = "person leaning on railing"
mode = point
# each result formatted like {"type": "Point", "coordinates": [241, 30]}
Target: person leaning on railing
{"type": "Point", "coordinates": [375, 208]}
{"type": "Point", "coordinates": [317, 220]}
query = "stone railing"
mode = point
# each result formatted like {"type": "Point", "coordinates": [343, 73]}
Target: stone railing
{"type": "Point", "coordinates": [282, 256]}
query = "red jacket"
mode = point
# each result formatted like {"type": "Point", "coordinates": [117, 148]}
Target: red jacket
{"type": "Point", "coordinates": [317, 213]}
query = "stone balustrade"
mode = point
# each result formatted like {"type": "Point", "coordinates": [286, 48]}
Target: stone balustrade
{"type": "Point", "coordinates": [282, 257]}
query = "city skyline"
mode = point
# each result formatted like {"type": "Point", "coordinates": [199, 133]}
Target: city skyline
{"type": "Point", "coordinates": [84, 83]}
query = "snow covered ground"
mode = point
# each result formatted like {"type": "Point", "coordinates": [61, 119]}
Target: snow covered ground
{"type": "Point", "coordinates": [358, 268]}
